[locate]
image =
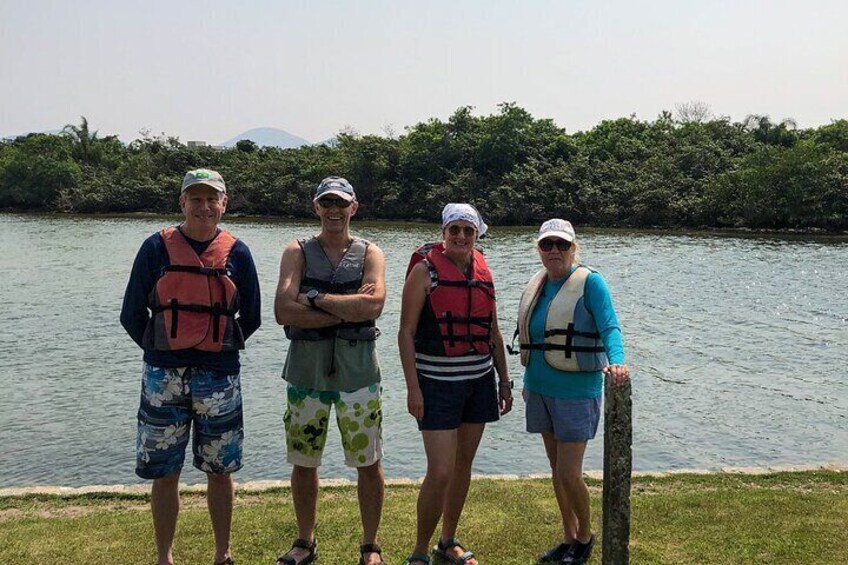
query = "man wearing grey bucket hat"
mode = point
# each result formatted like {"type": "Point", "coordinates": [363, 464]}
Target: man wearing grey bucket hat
{"type": "Point", "coordinates": [191, 302]}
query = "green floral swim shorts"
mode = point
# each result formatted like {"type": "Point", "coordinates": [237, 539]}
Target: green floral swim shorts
{"type": "Point", "coordinates": [359, 414]}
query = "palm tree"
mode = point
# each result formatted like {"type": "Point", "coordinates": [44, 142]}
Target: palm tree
{"type": "Point", "coordinates": [82, 138]}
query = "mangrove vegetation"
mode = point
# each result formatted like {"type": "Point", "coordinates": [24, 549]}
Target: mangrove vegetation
{"type": "Point", "coordinates": [680, 170]}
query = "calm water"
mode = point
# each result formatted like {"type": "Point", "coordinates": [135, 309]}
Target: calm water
{"type": "Point", "coordinates": [739, 348]}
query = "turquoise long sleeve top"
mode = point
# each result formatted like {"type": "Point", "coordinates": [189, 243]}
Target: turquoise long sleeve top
{"type": "Point", "coordinates": [541, 378]}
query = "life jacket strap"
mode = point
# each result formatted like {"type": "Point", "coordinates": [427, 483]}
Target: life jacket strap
{"type": "Point", "coordinates": [215, 309]}
{"type": "Point", "coordinates": [511, 349]}
{"type": "Point", "coordinates": [571, 332]}
{"type": "Point", "coordinates": [331, 287]}
{"type": "Point", "coordinates": [208, 271]}
{"type": "Point", "coordinates": [484, 322]}
{"type": "Point", "coordinates": [175, 309]}
{"type": "Point", "coordinates": [559, 347]}
{"type": "Point", "coordinates": [468, 283]}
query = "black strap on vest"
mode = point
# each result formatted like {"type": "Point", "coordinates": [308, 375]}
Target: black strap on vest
{"type": "Point", "coordinates": [330, 331]}
{"type": "Point", "coordinates": [216, 311]}
{"type": "Point", "coordinates": [208, 271]}
{"type": "Point", "coordinates": [330, 287]}
{"type": "Point", "coordinates": [485, 286]}
{"type": "Point", "coordinates": [450, 320]}
{"type": "Point", "coordinates": [570, 333]}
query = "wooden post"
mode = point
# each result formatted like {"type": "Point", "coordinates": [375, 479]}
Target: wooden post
{"type": "Point", "coordinates": [618, 465]}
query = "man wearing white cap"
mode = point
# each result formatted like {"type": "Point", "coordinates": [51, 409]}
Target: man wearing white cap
{"type": "Point", "coordinates": [330, 292]}
{"type": "Point", "coordinates": [191, 301]}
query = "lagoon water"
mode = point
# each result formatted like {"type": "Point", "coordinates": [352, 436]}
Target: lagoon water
{"type": "Point", "coordinates": [738, 347]}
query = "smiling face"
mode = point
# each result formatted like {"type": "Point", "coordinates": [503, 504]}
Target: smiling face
{"type": "Point", "coordinates": [556, 260]}
{"type": "Point", "coordinates": [334, 218]}
{"type": "Point", "coordinates": [459, 237]}
{"type": "Point", "coordinates": [202, 207]}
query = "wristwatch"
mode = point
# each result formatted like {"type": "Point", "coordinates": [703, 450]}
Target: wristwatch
{"type": "Point", "coordinates": [312, 295]}
{"type": "Point", "coordinates": [506, 384]}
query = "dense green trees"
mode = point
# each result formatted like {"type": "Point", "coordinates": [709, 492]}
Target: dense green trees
{"type": "Point", "coordinates": [692, 171]}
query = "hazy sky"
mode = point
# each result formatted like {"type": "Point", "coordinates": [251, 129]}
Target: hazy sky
{"type": "Point", "coordinates": [208, 70]}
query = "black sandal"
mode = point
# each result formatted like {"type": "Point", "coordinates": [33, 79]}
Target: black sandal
{"type": "Point", "coordinates": [310, 546]}
{"type": "Point", "coordinates": [442, 552]}
{"type": "Point", "coordinates": [554, 554]}
{"type": "Point", "coordinates": [370, 548]}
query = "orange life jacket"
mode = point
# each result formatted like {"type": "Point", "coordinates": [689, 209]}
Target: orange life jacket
{"type": "Point", "coordinates": [195, 301]}
{"type": "Point", "coordinates": [457, 315]}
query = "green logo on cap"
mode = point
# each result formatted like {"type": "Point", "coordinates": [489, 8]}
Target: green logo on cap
{"type": "Point", "coordinates": [202, 174]}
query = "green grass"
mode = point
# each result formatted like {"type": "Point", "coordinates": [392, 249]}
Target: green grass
{"type": "Point", "coordinates": [778, 518]}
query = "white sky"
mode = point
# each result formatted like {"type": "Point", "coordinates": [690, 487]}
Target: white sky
{"type": "Point", "coordinates": [210, 70]}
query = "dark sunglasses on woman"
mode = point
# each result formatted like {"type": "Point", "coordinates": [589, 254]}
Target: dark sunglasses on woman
{"type": "Point", "coordinates": [330, 202]}
{"type": "Point", "coordinates": [467, 231]}
{"type": "Point", "coordinates": [548, 244]}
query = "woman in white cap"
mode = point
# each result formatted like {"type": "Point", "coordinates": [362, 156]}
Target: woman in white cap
{"type": "Point", "coordinates": [450, 348]}
{"type": "Point", "coordinates": [570, 338]}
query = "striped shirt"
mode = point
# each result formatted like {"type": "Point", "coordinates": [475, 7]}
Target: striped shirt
{"type": "Point", "coordinates": [461, 368]}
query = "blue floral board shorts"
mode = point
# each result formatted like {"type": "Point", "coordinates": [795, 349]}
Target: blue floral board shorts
{"type": "Point", "coordinates": [359, 415]}
{"type": "Point", "coordinates": [174, 399]}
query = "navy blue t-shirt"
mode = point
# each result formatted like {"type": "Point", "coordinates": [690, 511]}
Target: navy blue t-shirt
{"type": "Point", "coordinates": [148, 265]}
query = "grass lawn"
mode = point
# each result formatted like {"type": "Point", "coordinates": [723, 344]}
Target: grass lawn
{"type": "Point", "coordinates": [722, 518]}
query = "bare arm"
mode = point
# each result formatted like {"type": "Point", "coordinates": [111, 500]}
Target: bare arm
{"type": "Point", "coordinates": [287, 309]}
{"type": "Point", "coordinates": [499, 356]}
{"type": "Point", "coordinates": [414, 294]}
{"type": "Point", "coordinates": [367, 303]}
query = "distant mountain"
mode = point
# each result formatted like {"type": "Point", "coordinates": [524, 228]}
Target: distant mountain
{"type": "Point", "coordinates": [330, 142]}
{"type": "Point", "coordinates": [268, 137]}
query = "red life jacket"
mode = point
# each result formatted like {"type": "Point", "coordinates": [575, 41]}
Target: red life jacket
{"type": "Point", "coordinates": [195, 301]}
{"type": "Point", "coordinates": [457, 315]}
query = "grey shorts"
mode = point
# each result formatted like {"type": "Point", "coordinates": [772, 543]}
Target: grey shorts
{"type": "Point", "coordinates": [569, 420]}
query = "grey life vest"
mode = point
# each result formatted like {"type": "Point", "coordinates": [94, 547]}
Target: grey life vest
{"type": "Point", "coordinates": [346, 278]}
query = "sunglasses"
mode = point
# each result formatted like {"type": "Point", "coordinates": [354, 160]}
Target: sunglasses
{"type": "Point", "coordinates": [548, 244]}
{"type": "Point", "coordinates": [330, 202]}
{"type": "Point", "coordinates": [467, 231]}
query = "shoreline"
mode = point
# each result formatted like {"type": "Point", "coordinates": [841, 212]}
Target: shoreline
{"type": "Point", "coordinates": [366, 221]}
{"type": "Point", "coordinates": [260, 486]}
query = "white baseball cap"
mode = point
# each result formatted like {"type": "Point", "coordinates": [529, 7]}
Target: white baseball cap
{"type": "Point", "coordinates": [556, 227]}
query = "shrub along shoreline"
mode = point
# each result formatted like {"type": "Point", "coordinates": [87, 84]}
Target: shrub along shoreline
{"type": "Point", "coordinates": [680, 518]}
{"type": "Point", "coordinates": [667, 173]}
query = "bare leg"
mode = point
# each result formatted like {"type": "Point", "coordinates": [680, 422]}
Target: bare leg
{"type": "Point", "coordinates": [219, 497]}
{"type": "Point", "coordinates": [440, 447]}
{"type": "Point", "coordinates": [467, 442]}
{"type": "Point", "coordinates": [304, 488]}
{"type": "Point", "coordinates": [165, 504]}
{"type": "Point", "coordinates": [569, 471]}
{"type": "Point", "coordinates": [468, 439]}
{"type": "Point", "coordinates": [369, 487]}
{"type": "Point", "coordinates": [569, 520]}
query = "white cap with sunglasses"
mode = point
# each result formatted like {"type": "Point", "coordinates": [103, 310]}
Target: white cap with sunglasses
{"type": "Point", "coordinates": [337, 186]}
{"type": "Point", "coordinates": [557, 228]}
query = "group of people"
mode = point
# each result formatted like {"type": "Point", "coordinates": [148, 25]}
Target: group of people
{"type": "Point", "coordinates": [193, 299]}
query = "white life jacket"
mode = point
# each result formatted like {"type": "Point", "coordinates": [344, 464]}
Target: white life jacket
{"type": "Point", "coordinates": [572, 342]}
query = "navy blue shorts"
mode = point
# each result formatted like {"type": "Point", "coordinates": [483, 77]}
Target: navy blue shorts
{"type": "Point", "coordinates": [447, 404]}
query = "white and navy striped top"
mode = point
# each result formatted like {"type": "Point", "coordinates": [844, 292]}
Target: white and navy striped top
{"type": "Point", "coordinates": [461, 368]}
